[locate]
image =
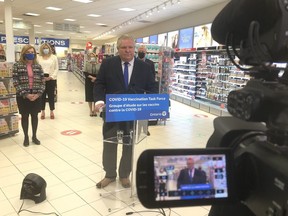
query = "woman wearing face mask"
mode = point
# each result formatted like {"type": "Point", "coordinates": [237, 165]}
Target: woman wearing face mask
{"type": "Point", "coordinates": [91, 69]}
{"type": "Point", "coordinates": [28, 79]}
{"type": "Point", "coordinates": [49, 63]}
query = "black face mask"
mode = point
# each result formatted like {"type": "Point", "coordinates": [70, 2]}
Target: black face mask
{"type": "Point", "coordinates": [141, 55]}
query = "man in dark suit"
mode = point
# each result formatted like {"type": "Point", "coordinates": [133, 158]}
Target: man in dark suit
{"type": "Point", "coordinates": [141, 53]}
{"type": "Point", "coordinates": [111, 80]}
{"type": "Point", "coordinates": [142, 56]}
{"type": "Point", "coordinates": [191, 175]}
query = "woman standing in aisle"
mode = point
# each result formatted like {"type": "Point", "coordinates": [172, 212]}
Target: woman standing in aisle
{"type": "Point", "coordinates": [91, 69]}
{"type": "Point", "coordinates": [49, 63]}
{"type": "Point", "coordinates": [28, 79]}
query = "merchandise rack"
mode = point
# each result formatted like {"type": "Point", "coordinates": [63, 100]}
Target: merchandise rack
{"type": "Point", "coordinates": [77, 65]}
{"type": "Point", "coordinates": [205, 79]}
{"type": "Point", "coordinates": [8, 104]}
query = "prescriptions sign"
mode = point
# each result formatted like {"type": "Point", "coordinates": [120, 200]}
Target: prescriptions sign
{"type": "Point", "coordinates": [128, 107]}
{"type": "Point", "coordinates": [17, 39]}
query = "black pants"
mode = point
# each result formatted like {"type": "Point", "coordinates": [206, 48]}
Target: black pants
{"type": "Point", "coordinates": [25, 123]}
{"type": "Point", "coordinates": [109, 159]}
{"type": "Point", "coordinates": [50, 92]}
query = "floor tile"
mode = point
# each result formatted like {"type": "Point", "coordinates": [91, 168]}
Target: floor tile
{"type": "Point", "coordinates": [79, 211]}
{"type": "Point", "coordinates": [67, 203]}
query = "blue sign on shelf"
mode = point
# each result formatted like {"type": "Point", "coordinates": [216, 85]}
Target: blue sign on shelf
{"type": "Point", "coordinates": [130, 107]}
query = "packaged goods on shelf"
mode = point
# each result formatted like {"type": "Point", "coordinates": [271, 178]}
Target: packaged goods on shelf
{"type": "Point", "coordinates": [203, 78]}
{"type": "Point", "coordinates": [13, 105]}
{"type": "Point", "coordinates": [3, 126]}
{"type": "Point", "coordinates": [10, 87]}
{"type": "Point", "coordinates": [8, 104]}
{"type": "Point", "coordinates": [4, 107]}
{"type": "Point", "coordinates": [5, 69]}
{"type": "Point", "coordinates": [3, 89]}
{"type": "Point", "coordinates": [14, 123]}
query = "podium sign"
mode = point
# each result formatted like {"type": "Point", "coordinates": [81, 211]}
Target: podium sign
{"type": "Point", "coordinates": [130, 107]}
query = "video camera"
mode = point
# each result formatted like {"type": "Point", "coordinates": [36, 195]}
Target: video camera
{"type": "Point", "coordinates": [247, 155]}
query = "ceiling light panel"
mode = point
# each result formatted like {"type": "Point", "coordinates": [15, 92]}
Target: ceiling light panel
{"type": "Point", "coordinates": [126, 9]}
{"type": "Point", "coordinates": [94, 15]}
{"type": "Point", "coordinates": [54, 8]}
{"type": "Point", "coordinates": [15, 18]}
{"type": "Point", "coordinates": [83, 1]}
{"type": "Point", "coordinates": [70, 20]}
{"type": "Point", "coordinates": [31, 14]}
{"type": "Point", "coordinates": [100, 24]}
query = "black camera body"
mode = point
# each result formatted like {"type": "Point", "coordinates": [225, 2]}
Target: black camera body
{"type": "Point", "coordinates": [256, 31]}
{"type": "Point", "coordinates": [261, 174]}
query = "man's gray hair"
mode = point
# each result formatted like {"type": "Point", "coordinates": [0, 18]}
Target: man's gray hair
{"type": "Point", "coordinates": [124, 37]}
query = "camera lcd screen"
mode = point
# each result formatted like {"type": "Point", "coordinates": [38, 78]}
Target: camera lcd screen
{"type": "Point", "coordinates": [185, 177]}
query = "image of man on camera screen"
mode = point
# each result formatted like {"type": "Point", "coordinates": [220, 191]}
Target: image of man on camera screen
{"type": "Point", "coordinates": [190, 177]}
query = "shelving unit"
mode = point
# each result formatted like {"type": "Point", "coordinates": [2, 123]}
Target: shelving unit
{"type": "Point", "coordinates": [165, 69]}
{"type": "Point", "coordinates": [8, 104]}
{"type": "Point", "coordinates": [78, 73]}
{"type": "Point", "coordinates": [109, 49]}
{"type": "Point", "coordinates": [62, 62]}
{"type": "Point", "coordinates": [205, 79]}
{"type": "Point", "coordinates": [184, 79]}
{"type": "Point", "coordinates": [163, 62]}
{"type": "Point", "coordinates": [77, 64]}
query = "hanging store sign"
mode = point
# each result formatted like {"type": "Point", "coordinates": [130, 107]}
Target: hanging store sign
{"type": "Point", "coordinates": [54, 41]}
{"type": "Point", "coordinates": [17, 39]}
{"type": "Point", "coordinates": [25, 40]}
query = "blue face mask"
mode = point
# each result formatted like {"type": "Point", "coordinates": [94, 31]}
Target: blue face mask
{"type": "Point", "coordinates": [29, 56]}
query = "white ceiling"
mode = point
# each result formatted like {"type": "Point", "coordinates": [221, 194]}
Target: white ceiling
{"type": "Point", "coordinates": [108, 9]}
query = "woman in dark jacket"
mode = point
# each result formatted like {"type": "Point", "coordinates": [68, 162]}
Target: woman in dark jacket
{"type": "Point", "coordinates": [28, 79]}
{"type": "Point", "coordinates": [91, 69]}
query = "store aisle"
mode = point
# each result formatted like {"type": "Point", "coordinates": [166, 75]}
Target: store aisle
{"type": "Point", "coordinates": [69, 158]}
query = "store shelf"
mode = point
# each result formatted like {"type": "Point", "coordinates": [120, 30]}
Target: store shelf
{"type": "Point", "coordinates": [201, 104]}
{"type": "Point", "coordinates": [78, 73]}
{"type": "Point", "coordinates": [8, 104]}
{"type": "Point", "coordinates": [213, 75]}
{"type": "Point", "coordinates": [76, 65]}
{"type": "Point", "coordinates": [63, 63]}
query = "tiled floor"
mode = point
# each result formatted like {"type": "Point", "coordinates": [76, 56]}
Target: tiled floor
{"type": "Point", "coordinates": [71, 165]}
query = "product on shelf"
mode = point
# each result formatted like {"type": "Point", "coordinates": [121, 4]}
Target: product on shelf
{"type": "Point", "coordinates": [4, 107]}
{"type": "Point", "coordinates": [5, 69]}
{"type": "Point", "coordinates": [3, 126]}
{"type": "Point", "coordinates": [13, 105]}
{"type": "Point", "coordinates": [3, 89]}
{"type": "Point", "coordinates": [11, 88]}
{"type": "Point", "coordinates": [14, 123]}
